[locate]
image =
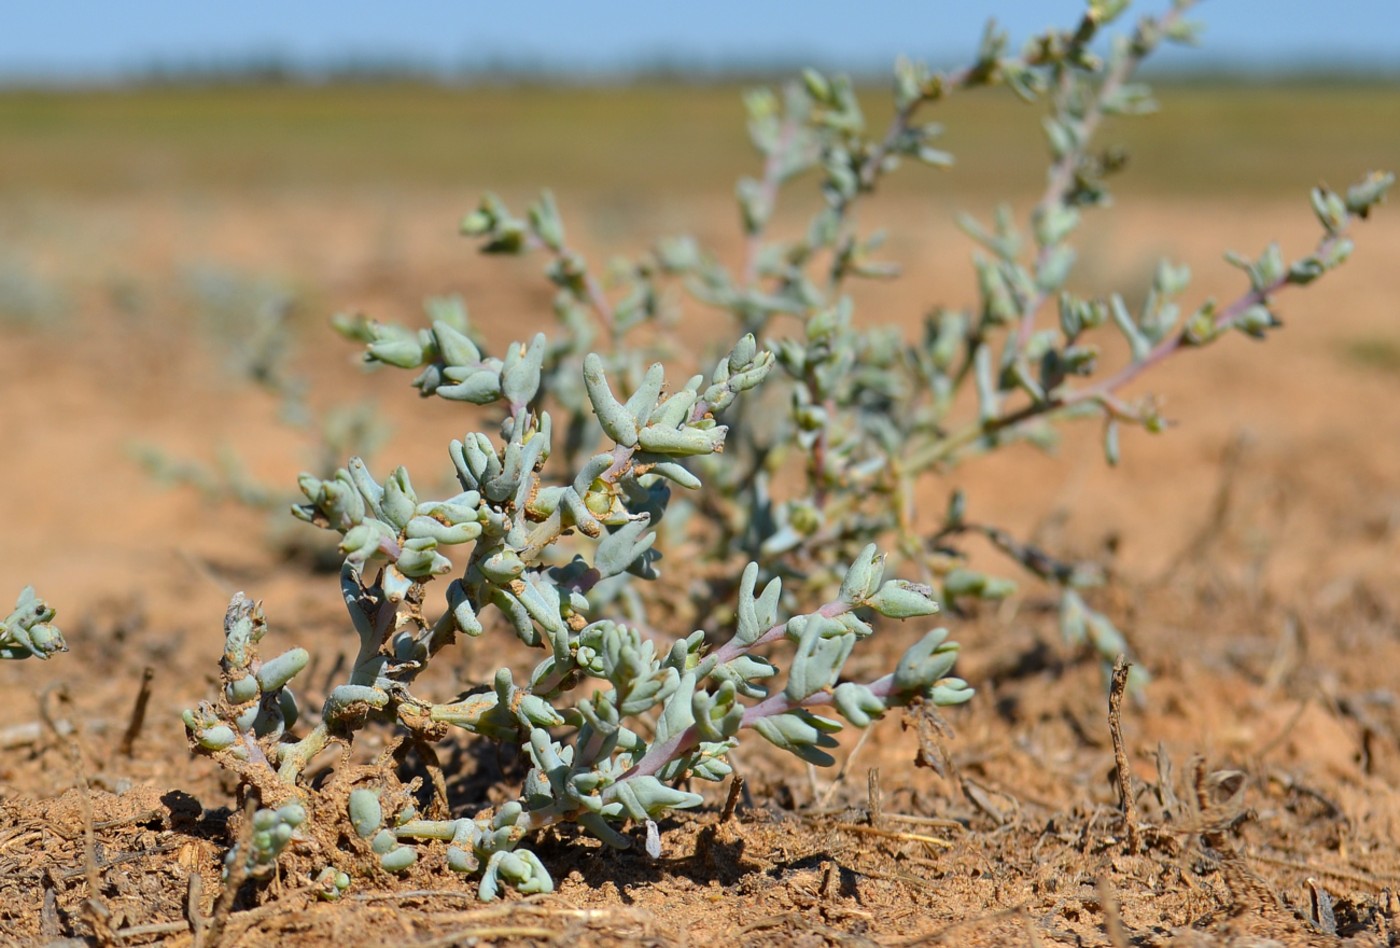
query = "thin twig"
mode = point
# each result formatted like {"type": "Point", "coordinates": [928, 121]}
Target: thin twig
{"type": "Point", "coordinates": [154, 928]}
{"type": "Point", "coordinates": [1120, 755]}
{"type": "Point", "coordinates": [1376, 880]}
{"type": "Point", "coordinates": [1273, 743]}
{"type": "Point", "coordinates": [525, 906]}
{"type": "Point", "coordinates": [193, 912]}
{"type": "Point", "coordinates": [138, 713]}
{"type": "Point", "coordinates": [206, 572]}
{"type": "Point", "coordinates": [736, 787]}
{"type": "Point", "coordinates": [412, 895]}
{"type": "Point", "coordinates": [893, 834]}
{"type": "Point", "coordinates": [1217, 522]}
{"type": "Point", "coordinates": [1032, 934]}
{"type": "Point", "coordinates": [237, 875]}
{"type": "Point", "coordinates": [249, 917]}
{"type": "Point", "coordinates": [50, 928]}
{"type": "Point", "coordinates": [439, 807]}
{"type": "Point", "coordinates": [1112, 918]}
{"type": "Point", "coordinates": [97, 912]}
{"type": "Point", "coordinates": [924, 821]}
{"type": "Point", "coordinates": [841, 775]}
{"type": "Point", "coordinates": [1166, 787]}
{"type": "Point", "coordinates": [471, 935]}
{"type": "Point", "coordinates": [875, 796]}
{"type": "Point", "coordinates": [123, 857]}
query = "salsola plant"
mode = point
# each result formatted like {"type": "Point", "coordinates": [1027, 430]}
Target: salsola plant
{"type": "Point", "coordinates": [842, 447]}
{"type": "Point", "coordinates": [576, 716]}
{"type": "Point", "coordinates": [798, 456]}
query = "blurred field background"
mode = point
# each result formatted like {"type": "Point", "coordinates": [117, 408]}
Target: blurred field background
{"type": "Point", "coordinates": [137, 196]}
{"type": "Point", "coordinates": [1215, 137]}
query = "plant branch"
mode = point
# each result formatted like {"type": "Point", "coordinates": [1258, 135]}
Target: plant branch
{"type": "Point", "coordinates": [1101, 392]}
{"type": "Point", "coordinates": [768, 189]}
{"type": "Point", "coordinates": [1062, 173]}
{"type": "Point", "coordinates": [734, 648]}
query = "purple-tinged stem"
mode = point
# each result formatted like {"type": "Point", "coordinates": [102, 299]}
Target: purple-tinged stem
{"type": "Point", "coordinates": [659, 755]}
{"type": "Point", "coordinates": [1103, 390]}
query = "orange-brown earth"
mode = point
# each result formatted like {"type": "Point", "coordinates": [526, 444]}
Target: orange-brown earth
{"type": "Point", "coordinates": [1253, 552]}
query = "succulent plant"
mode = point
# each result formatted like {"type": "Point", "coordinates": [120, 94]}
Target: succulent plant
{"type": "Point", "coordinates": [777, 471]}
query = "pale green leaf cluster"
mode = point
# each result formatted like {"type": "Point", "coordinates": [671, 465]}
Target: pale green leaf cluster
{"type": "Point", "coordinates": [28, 631]}
{"type": "Point", "coordinates": [272, 832]}
{"type": "Point", "coordinates": [256, 704]}
{"type": "Point", "coordinates": [579, 715]}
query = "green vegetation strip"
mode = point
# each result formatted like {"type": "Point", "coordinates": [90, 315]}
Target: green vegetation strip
{"type": "Point", "coordinates": [1211, 138]}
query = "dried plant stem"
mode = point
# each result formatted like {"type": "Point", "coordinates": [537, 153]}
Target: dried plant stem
{"type": "Point", "coordinates": [892, 834]}
{"type": "Point", "coordinates": [138, 714]}
{"type": "Point", "coordinates": [1120, 754]}
{"type": "Point", "coordinates": [924, 821]}
{"type": "Point", "coordinates": [841, 774]}
{"type": "Point", "coordinates": [154, 928]}
{"type": "Point", "coordinates": [193, 910]}
{"type": "Point", "coordinates": [1112, 916]}
{"type": "Point", "coordinates": [96, 911]}
{"type": "Point", "coordinates": [731, 802]}
{"type": "Point", "coordinates": [237, 875]}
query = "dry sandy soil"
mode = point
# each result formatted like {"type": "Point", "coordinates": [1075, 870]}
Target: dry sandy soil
{"type": "Point", "coordinates": [1253, 553]}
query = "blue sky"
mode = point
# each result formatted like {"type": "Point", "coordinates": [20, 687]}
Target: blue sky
{"type": "Point", "coordinates": [63, 40]}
